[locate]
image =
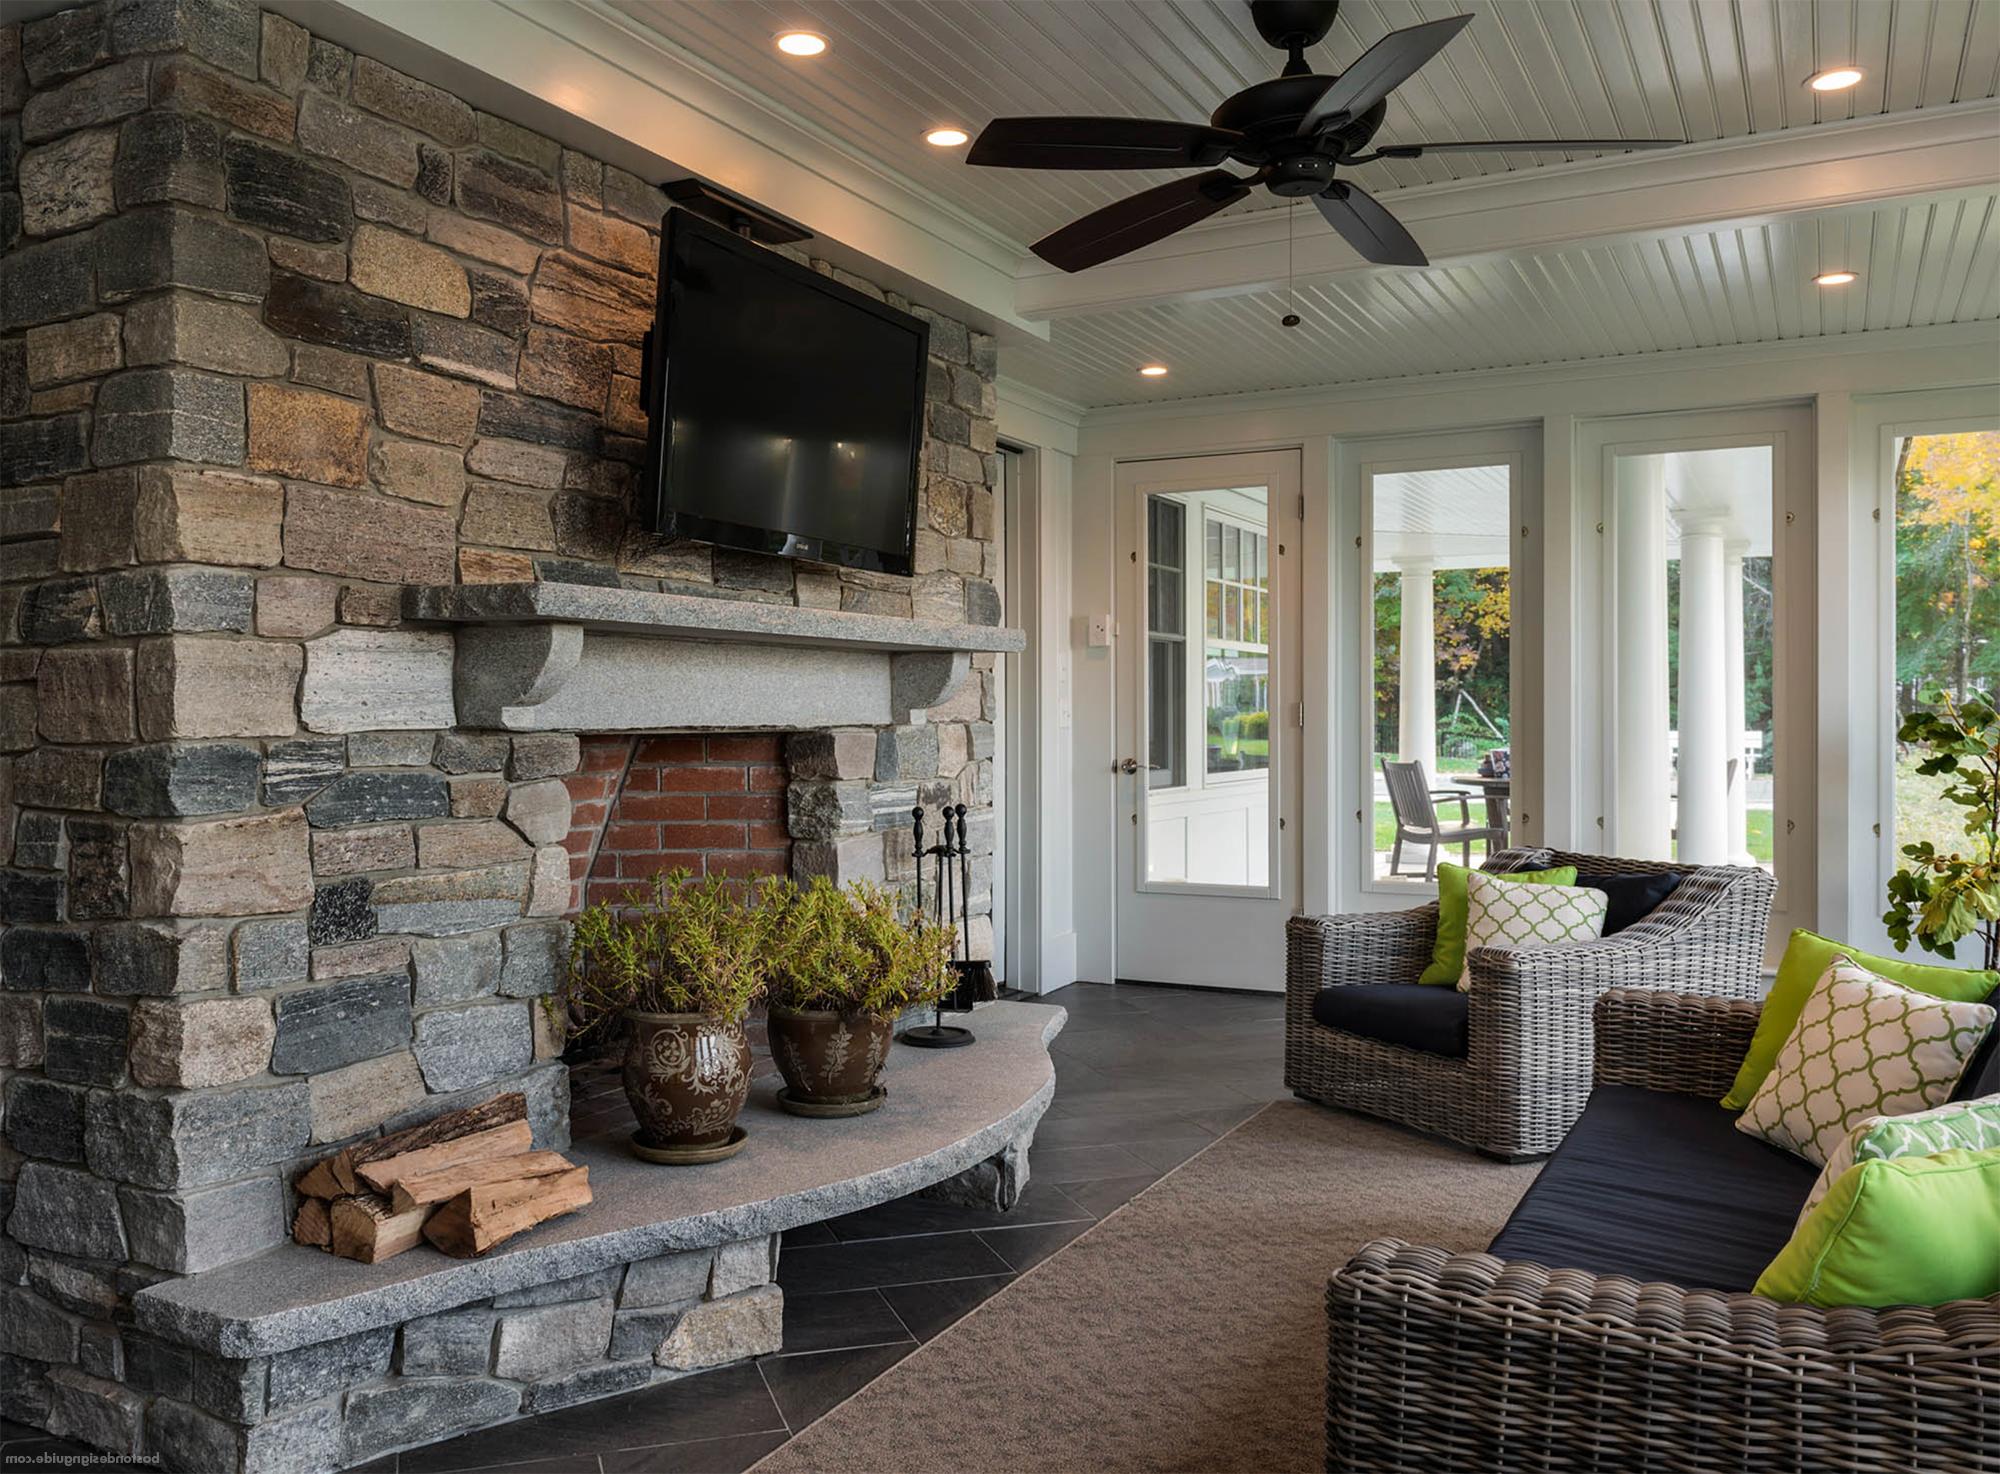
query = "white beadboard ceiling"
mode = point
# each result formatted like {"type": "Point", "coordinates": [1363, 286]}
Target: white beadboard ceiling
{"type": "Point", "coordinates": [1700, 69]}
{"type": "Point", "coordinates": [1697, 69]}
{"type": "Point", "coordinates": [1921, 263]}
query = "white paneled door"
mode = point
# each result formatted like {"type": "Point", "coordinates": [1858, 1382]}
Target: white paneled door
{"type": "Point", "coordinates": [1208, 764]}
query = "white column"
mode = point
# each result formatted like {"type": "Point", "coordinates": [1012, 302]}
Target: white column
{"type": "Point", "coordinates": [1641, 797]}
{"type": "Point", "coordinates": [1733, 682]}
{"type": "Point", "coordinates": [1704, 720]}
{"type": "Point", "coordinates": [1416, 696]}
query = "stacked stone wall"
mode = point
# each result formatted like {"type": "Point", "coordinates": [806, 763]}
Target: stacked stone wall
{"type": "Point", "coordinates": [283, 330]}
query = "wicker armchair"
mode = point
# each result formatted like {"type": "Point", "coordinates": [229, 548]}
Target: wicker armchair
{"type": "Point", "coordinates": [1527, 1068]}
{"type": "Point", "coordinates": [1467, 1361]}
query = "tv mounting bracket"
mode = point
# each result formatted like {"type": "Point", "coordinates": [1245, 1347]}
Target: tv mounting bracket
{"type": "Point", "coordinates": [732, 212]}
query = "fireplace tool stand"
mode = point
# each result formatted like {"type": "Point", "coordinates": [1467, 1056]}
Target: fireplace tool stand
{"type": "Point", "coordinates": [938, 1034]}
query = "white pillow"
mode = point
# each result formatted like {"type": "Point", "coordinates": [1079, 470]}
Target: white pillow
{"type": "Point", "coordinates": [1517, 913]}
{"type": "Point", "coordinates": [1863, 1046]}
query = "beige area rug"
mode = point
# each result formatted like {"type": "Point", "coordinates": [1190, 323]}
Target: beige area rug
{"type": "Point", "coordinates": [1185, 1332]}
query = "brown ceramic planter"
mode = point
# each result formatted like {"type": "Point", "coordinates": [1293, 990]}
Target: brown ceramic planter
{"type": "Point", "coordinates": [686, 1076]}
{"type": "Point", "coordinates": [830, 1058]}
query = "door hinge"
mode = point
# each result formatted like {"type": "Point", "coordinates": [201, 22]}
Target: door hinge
{"type": "Point", "coordinates": [1302, 506]}
{"type": "Point", "coordinates": [1281, 821]}
{"type": "Point", "coordinates": [1299, 714]}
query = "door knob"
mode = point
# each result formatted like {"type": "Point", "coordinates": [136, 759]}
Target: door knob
{"type": "Point", "coordinates": [1132, 765]}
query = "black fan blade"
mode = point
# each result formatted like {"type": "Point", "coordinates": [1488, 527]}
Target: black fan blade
{"type": "Point", "coordinates": [1148, 216]}
{"type": "Point", "coordinates": [1365, 225]}
{"type": "Point", "coordinates": [1524, 145]}
{"type": "Point", "coordinates": [1099, 143]}
{"type": "Point", "coordinates": [1383, 68]}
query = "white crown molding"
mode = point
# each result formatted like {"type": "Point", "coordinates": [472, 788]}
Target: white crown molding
{"type": "Point", "coordinates": [1039, 401]}
{"type": "Point", "coordinates": [581, 72]}
{"type": "Point", "coordinates": [1943, 337]}
{"type": "Point", "coordinates": [1724, 184]}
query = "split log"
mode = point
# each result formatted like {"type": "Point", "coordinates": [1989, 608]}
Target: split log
{"type": "Point", "coordinates": [322, 1182]}
{"type": "Point", "coordinates": [312, 1224]}
{"type": "Point", "coordinates": [368, 1229]}
{"type": "Point", "coordinates": [481, 1217]}
{"type": "Point", "coordinates": [427, 1189]}
{"type": "Point", "coordinates": [334, 1177]}
{"type": "Point", "coordinates": [510, 1140]}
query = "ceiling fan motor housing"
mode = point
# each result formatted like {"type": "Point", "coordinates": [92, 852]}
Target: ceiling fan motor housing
{"type": "Point", "coordinates": [1267, 114]}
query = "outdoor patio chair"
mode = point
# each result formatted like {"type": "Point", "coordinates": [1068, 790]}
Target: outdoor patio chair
{"type": "Point", "coordinates": [1414, 802]}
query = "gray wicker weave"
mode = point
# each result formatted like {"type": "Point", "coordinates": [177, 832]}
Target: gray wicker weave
{"type": "Point", "coordinates": [1465, 1361]}
{"type": "Point", "coordinates": [1526, 1073]}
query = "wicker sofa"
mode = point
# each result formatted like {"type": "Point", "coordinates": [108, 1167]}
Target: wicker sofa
{"type": "Point", "coordinates": [1514, 1076]}
{"type": "Point", "coordinates": [1498, 1361]}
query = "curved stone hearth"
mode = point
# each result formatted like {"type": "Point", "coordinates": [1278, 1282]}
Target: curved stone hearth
{"type": "Point", "coordinates": [947, 1111]}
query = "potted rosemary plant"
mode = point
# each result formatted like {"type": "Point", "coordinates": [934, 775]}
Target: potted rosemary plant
{"type": "Point", "coordinates": [843, 965]}
{"type": "Point", "coordinates": [679, 966]}
{"type": "Point", "coordinates": [1940, 897]}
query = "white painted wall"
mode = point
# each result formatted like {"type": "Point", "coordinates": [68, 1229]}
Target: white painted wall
{"type": "Point", "coordinates": [1042, 800]}
{"type": "Point", "coordinates": [1836, 380]}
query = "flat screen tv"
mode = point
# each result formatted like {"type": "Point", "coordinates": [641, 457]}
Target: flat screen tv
{"type": "Point", "coordinates": [787, 409]}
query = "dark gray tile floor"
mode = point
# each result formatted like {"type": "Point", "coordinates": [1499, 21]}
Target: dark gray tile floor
{"type": "Point", "coordinates": [1145, 1078]}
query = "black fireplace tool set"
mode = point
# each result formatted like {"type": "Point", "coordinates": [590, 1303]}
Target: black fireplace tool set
{"type": "Point", "coordinates": [953, 889]}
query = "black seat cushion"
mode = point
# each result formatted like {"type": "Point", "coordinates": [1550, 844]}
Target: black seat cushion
{"type": "Point", "coordinates": [1982, 1071]}
{"type": "Point", "coordinates": [1428, 1018]}
{"type": "Point", "coordinates": [1660, 1187]}
{"type": "Point", "coordinates": [1629, 898]}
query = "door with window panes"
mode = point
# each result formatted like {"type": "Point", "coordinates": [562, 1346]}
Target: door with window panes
{"type": "Point", "coordinates": [1208, 700]}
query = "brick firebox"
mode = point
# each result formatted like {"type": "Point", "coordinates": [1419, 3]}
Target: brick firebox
{"type": "Point", "coordinates": [712, 803]}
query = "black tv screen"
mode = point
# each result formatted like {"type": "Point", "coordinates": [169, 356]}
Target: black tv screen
{"type": "Point", "coordinates": [787, 409]}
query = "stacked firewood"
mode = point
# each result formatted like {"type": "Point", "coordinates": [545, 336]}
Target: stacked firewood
{"type": "Point", "coordinates": [465, 1181]}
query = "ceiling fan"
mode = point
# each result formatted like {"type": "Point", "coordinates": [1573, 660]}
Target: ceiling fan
{"type": "Point", "coordinates": [1295, 131]}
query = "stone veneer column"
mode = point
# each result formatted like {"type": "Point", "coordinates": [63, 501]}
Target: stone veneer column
{"type": "Point", "coordinates": [281, 331]}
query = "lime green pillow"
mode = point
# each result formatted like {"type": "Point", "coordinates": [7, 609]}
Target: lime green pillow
{"type": "Point", "coordinates": [1454, 907]}
{"type": "Point", "coordinates": [1807, 957]}
{"type": "Point", "coordinates": [1897, 1231]}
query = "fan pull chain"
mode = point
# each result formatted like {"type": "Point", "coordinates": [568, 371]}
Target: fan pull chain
{"type": "Point", "coordinates": [1291, 317]}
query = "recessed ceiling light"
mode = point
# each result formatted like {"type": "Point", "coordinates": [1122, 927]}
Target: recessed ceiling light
{"type": "Point", "coordinates": [801, 43]}
{"type": "Point", "coordinates": [1835, 79]}
{"type": "Point", "coordinates": [1154, 371]}
{"type": "Point", "coordinates": [1835, 278]}
{"type": "Point", "coordinates": [946, 137]}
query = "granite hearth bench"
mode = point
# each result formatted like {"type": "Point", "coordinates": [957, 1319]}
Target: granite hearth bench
{"type": "Point", "coordinates": [296, 1361]}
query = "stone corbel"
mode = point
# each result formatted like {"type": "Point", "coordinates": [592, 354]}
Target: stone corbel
{"type": "Point", "coordinates": [922, 679]}
{"type": "Point", "coordinates": [504, 671]}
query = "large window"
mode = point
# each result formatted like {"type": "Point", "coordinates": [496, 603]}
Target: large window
{"type": "Point", "coordinates": [1947, 490]}
{"type": "Point", "coordinates": [1442, 650]}
{"type": "Point", "coordinates": [1695, 659]}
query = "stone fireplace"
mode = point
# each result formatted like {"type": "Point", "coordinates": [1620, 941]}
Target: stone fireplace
{"type": "Point", "coordinates": [325, 620]}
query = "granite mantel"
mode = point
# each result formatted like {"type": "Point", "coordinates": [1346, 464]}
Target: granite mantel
{"type": "Point", "coordinates": [947, 1111]}
{"type": "Point", "coordinates": [539, 657]}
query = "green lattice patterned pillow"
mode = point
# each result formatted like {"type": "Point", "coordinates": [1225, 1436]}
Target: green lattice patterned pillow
{"type": "Point", "coordinates": [1862, 1047]}
{"type": "Point", "coordinates": [1508, 913]}
{"type": "Point", "coordinates": [1969, 1125]}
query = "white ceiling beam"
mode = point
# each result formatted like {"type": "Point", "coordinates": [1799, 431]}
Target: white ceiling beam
{"type": "Point", "coordinates": [578, 71]}
{"type": "Point", "coordinates": [1743, 181]}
